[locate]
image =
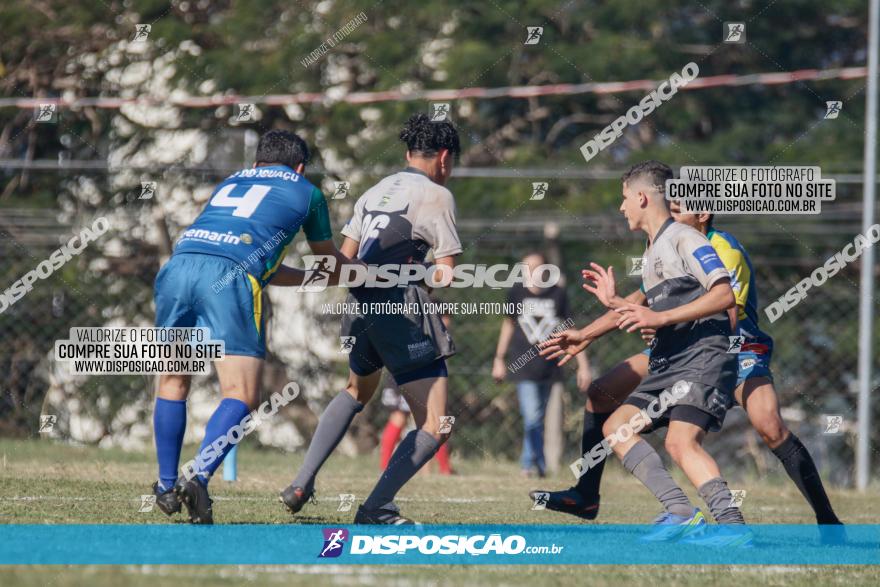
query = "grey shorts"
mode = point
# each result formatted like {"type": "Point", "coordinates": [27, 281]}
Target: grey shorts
{"type": "Point", "coordinates": [697, 403]}
{"type": "Point", "coordinates": [400, 341]}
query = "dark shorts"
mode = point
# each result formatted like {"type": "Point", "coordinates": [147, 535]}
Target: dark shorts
{"type": "Point", "coordinates": [210, 291]}
{"type": "Point", "coordinates": [411, 345]}
{"type": "Point", "coordinates": [699, 404]}
{"type": "Point", "coordinates": [751, 363]}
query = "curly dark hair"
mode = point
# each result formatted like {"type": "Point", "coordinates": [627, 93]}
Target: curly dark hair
{"type": "Point", "coordinates": [426, 138]}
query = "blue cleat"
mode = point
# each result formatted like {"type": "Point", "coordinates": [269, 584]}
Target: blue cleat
{"type": "Point", "coordinates": [721, 536]}
{"type": "Point", "coordinates": [670, 527]}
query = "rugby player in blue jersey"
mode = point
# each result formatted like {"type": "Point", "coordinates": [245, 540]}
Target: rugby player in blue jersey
{"type": "Point", "coordinates": [215, 279]}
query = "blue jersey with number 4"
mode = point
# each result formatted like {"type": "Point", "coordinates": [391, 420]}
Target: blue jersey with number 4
{"type": "Point", "coordinates": [252, 217]}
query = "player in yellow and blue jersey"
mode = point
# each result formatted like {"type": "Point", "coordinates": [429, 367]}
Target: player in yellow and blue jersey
{"type": "Point", "coordinates": [754, 386]}
{"type": "Point", "coordinates": [214, 279]}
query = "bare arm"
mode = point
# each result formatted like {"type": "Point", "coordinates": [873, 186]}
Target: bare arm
{"type": "Point", "coordinates": [584, 376]}
{"type": "Point", "coordinates": [288, 276]}
{"type": "Point", "coordinates": [499, 367]}
{"type": "Point", "coordinates": [718, 299]}
{"type": "Point", "coordinates": [608, 321]}
{"type": "Point", "coordinates": [349, 247]}
{"type": "Point", "coordinates": [572, 343]}
{"type": "Point", "coordinates": [504, 338]}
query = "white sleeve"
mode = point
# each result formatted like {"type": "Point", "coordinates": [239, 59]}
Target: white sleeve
{"type": "Point", "coordinates": [440, 226]}
{"type": "Point", "coordinates": [352, 228]}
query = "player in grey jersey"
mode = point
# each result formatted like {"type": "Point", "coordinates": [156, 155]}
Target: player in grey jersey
{"type": "Point", "coordinates": [397, 221]}
{"type": "Point", "coordinates": [687, 290]}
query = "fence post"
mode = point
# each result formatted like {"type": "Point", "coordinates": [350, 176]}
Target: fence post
{"type": "Point", "coordinates": [866, 298]}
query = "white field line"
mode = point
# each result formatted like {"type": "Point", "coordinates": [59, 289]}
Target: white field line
{"type": "Point", "coordinates": [28, 498]}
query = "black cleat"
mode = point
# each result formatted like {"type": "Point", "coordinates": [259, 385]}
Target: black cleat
{"type": "Point", "coordinates": [166, 500]}
{"type": "Point", "coordinates": [570, 501]}
{"type": "Point", "coordinates": [388, 515]}
{"type": "Point", "coordinates": [195, 497]}
{"type": "Point", "coordinates": [294, 498]}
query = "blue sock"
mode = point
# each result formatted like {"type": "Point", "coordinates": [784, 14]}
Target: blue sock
{"type": "Point", "coordinates": [229, 413]}
{"type": "Point", "coordinates": [169, 426]}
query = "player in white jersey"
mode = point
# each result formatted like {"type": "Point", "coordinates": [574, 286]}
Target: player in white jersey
{"type": "Point", "coordinates": [395, 223]}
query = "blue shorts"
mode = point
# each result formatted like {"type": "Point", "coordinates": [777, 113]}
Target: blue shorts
{"type": "Point", "coordinates": [190, 292]}
{"type": "Point", "coordinates": [749, 364]}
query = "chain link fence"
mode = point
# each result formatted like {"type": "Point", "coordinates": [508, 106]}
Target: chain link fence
{"type": "Point", "coordinates": [110, 283]}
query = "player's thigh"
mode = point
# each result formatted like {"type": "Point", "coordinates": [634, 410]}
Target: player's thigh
{"type": "Point", "coordinates": [757, 394]}
{"type": "Point", "coordinates": [608, 391]}
{"type": "Point", "coordinates": [362, 387]}
{"type": "Point", "coordinates": [683, 435]}
{"type": "Point", "coordinates": [240, 378]}
{"type": "Point", "coordinates": [619, 420]}
{"type": "Point", "coordinates": [758, 397]}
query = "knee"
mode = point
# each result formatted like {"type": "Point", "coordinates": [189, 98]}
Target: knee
{"type": "Point", "coordinates": [771, 429]}
{"type": "Point", "coordinates": [358, 393]}
{"type": "Point", "coordinates": [680, 447]}
{"type": "Point", "coordinates": [533, 421]}
{"type": "Point", "coordinates": [611, 425]}
{"type": "Point", "coordinates": [532, 418]}
{"type": "Point", "coordinates": [173, 389]}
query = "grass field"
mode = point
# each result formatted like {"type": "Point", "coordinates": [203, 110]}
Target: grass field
{"type": "Point", "coordinates": [46, 483]}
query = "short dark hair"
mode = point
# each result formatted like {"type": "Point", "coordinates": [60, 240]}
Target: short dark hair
{"type": "Point", "coordinates": [655, 172]}
{"type": "Point", "coordinates": [282, 147]}
{"type": "Point", "coordinates": [427, 138]}
{"type": "Point", "coordinates": [710, 222]}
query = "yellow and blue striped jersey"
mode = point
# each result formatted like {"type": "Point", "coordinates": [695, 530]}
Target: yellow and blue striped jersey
{"type": "Point", "coordinates": [742, 281]}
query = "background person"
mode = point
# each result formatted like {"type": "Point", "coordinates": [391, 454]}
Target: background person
{"type": "Point", "coordinates": [537, 311]}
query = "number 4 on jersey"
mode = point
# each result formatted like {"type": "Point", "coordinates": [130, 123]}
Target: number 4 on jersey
{"type": "Point", "coordinates": [244, 205]}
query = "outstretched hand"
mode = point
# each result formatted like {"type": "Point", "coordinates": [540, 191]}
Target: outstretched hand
{"type": "Point", "coordinates": [564, 346]}
{"type": "Point", "coordinates": [600, 283]}
{"type": "Point", "coordinates": [634, 317]}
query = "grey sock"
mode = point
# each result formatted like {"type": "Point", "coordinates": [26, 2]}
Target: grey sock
{"type": "Point", "coordinates": [644, 462]}
{"type": "Point", "coordinates": [331, 428]}
{"type": "Point", "coordinates": [717, 496]}
{"type": "Point", "coordinates": [412, 453]}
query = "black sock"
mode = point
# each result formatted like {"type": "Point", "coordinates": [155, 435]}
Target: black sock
{"type": "Point", "coordinates": [800, 467]}
{"type": "Point", "coordinates": [588, 483]}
